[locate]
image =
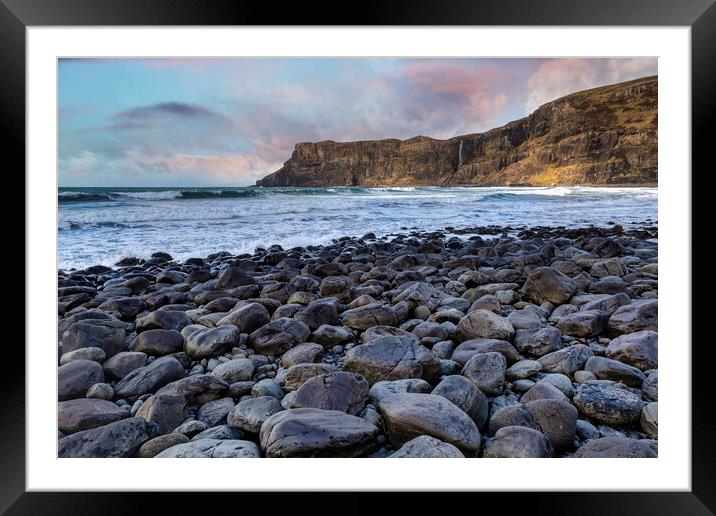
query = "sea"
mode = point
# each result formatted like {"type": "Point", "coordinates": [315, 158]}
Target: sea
{"type": "Point", "coordinates": [103, 225]}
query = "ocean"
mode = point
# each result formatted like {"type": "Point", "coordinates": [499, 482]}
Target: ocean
{"type": "Point", "coordinates": [103, 225]}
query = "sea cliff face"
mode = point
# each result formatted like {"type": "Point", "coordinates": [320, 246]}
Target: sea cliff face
{"type": "Point", "coordinates": [601, 136]}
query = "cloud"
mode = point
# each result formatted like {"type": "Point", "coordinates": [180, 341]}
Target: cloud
{"type": "Point", "coordinates": [558, 77]}
{"type": "Point", "coordinates": [165, 109]}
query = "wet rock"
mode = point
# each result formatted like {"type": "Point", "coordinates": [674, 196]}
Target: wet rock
{"type": "Point", "coordinates": [74, 378]}
{"type": "Point", "coordinates": [197, 389]}
{"type": "Point", "coordinates": [306, 353]}
{"type": "Point", "coordinates": [588, 323]}
{"type": "Point", "coordinates": [93, 354]}
{"type": "Point", "coordinates": [278, 336]}
{"type": "Point", "coordinates": [149, 378]}
{"type": "Point", "coordinates": [640, 315]}
{"type": "Point", "coordinates": [426, 447]}
{"type": "Point", "coordinates": [615, 448]}
{"type": "Point", "coordinates": [119, 439]}
{"type": "Point", "coordinates": [214, 412]}
{"type": "Point", "coordinates": [108, 335]}
{"type": "Point", "coordinates": [366, 316]}
{"type": "Point", "coordinates": [466, 396]}
{"type": "Point", "coordinates": [567, 360]}
{"type": "Point", "coordinates": [157, 445]}
{"type": "Point", "coordinates": [85, 413]}
{"type": "Point", "coordinates": [409, 415]}
{"type": "Point", "coordinates": [159, 342]}
{"type": "Point", "coordinates": [386, 388]}
{"type": "Point", "coordinates": [329, 336]}
{"type": "Point", "coordinates": [557, 420]}
{"type": "Point", "coordinates": [297, 375]}
{"type": "Point", "coordinates": [236, 370]}
{"type": "Point", "coordinates": [392, 358]}
{"type": "Point", "coordinates": [484, 324]}
{"type": "Point", "coordinates": [163, 320]}
{"type": "Point", "coordinates": [121, 364]}
{"type": "Point", "coordinates": [309, 432]}
{"type": "Point", "coordinates": [548, 284]}
{"type": "Point", "coordinates": [639, 349]}
{"type": "Point", "coordinates": [212, 449]}
{"type": "Point", "coordinates": [608, 369]}
{"type": "Point", "coordinates": [347, 392]}
{"type": "Point", "coordinates": [517, 442]}
{"type": "Point", "coordinates": [608, 403]}
{"type": "Point", "coordinates": [247, 318]}
{"type": "Point", "coordinates": [487, 371]}
{"type": "Point", "coordinates": [523, 369]}
{"type": "Point", "coordinates": [469, 348]}
{"type": "Point", "coordinates": [165, 410]}
{"type": "Point", "coordinates": [211, 342]}
{"type": "Point", "coordinates": [250, 414]}
{"type": "Point", "coordinates": [318, 313]}
{"type": "Point", "coordinates": [649, 420]}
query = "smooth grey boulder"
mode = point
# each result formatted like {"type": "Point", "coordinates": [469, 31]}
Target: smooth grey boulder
{"type": "Point", "coordinates": [392, 358]}
{"type": "Point", "coordinates": [615, 448]}
{"type": "Point", "coordinates": [339, 390]}
{"type": "Point", "coordinates": [608, 369]}
{"type": "Point", "coordinates": [466, 396]}
{"type": "Point", "coordinates": [639, 315]}
{"type": "Point", "coordinates": [159, 342]}
{"type": "Point", "coordinates": [409, 415]}
{"type": "Point", "coordinates": [165, 410]}
{"type": "Point", "coordinates": [295, 376]}
{"type": "Point", "coordinates": [211, 341]}
{"type": "Point", "coordinates": [522, 370]}
{"type": "Point", "coordinates": [426, 447]}
{"type": "Point", "coordinates": [309, 432]}
{"type": "Point", "coordinates": [247, 318]}
{"type": "Point", "coordinates": [512, 415]}
{"type": "Point", "coordinates": [487, 371]}
{"type": "Point", "coordinates": [163, 320]}
{"type": "Point", "coordinates": [567, 360]}
{"type": "Point", "coordinates": [329, 336]}
{"type": "Point", "coordinates": [119, 439]}
{"type": "Point", "coordinates": [308, 352]}
{"type": "Point", "coordinates": [212, 449]}
{"type": "Point", "coordinates": [249, 415]}
{"type": "Point", "coordinates": [74, 378]}
{"type": "Point", "coordinates": [557, 420]}
{"type": "Point", "coordinates": [588, 323]}
{"type": "Point", "coordinates": [237, 370]}
{"type": "Point", "coordinates": [365, 316]}
{"type": "Point", "coordinates": [548, 284]}
{"type": "Point", "coordinates": [121, 364]}
{"type": "Point", "coordinates": [517, 442]}
{"type": "Point", "coordinates": [639, 349]}
{"type": "Point", "coordinates": [278, 336]}
{"type": "Point", "coordinates": [469, 348]}
{"type": "Point", "coordinates": [197, 389]}
{"type": "Point", "coordinates": [149, 378]}
{"type": "Point", "coordinates": [385, 388]}
{"type": "Point", "coordinates": [650, 419]}
{"type": "Point", "coordinates": [543, 390]}
{"type": "Point", "coordinates": [106, 334]}
{"type": "Point", "coordinates": [608, 403]}
{"type": "Point", "coordinates": [484, 324]}
{"type": "Point", "coordinates": [650, 387]}
{"type": "Point", "coordinates": [215, 411]}
{"type": "Point", "coordinates": [94, 354]}
{"type": "Point", "coordinates": [85, 413]}
{"type": "Point", "coordinates": [317, 313]}
{"type": "Point", "coordinates": [538, 342]}
{"type": "Point", "coordinates": [160, 443]}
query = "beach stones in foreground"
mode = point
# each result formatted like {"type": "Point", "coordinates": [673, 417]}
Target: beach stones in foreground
{"type": "Point", "coordinates": [309, 432]}
{"type": "Point", "coordinates": [426, 447]}
{"type": "Point", "coordinates": [212, 449]}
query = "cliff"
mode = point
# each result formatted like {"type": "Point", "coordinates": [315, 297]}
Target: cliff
{"type": "Point", "coordinates": [601, 136]}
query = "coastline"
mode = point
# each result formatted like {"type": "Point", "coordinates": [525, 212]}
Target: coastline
{"type": "Point", "coordinates": [350, 349]}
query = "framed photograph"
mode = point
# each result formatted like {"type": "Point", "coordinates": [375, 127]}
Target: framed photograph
{"type": "Point", "coordinates": [428, 232]}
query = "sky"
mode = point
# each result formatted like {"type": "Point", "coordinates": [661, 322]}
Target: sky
{"type": "Point", "coordinates": [227, 122]}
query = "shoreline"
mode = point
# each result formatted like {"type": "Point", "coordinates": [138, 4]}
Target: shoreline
{"type": "Point", "coordinates": [350, 349]}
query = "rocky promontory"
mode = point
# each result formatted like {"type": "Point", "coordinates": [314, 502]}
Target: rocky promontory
{"type": "Point", "coordinates": [471, 342]}
{"type": "Point", "coordinates": [601, 136]}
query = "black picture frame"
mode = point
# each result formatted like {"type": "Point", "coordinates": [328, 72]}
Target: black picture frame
{"type": "Point", "coordinates": [700, 15]}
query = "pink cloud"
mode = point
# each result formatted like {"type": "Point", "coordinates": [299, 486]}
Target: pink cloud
{"type": "Point", "coordinates": [555, 78]}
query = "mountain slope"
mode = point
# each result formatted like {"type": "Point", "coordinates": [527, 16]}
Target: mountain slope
{"type": "Point", "coordinates": [601, 136]}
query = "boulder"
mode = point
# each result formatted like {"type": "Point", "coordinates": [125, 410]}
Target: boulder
{"type": "Point", "coordinates": [119, 439]}
{"type": "Point", "coordinates": [484, 324]}
{"type": "Point", "coordinates": [639, 349]}
{"type": "Point", "coordinates": [640, 315]}
{"type": "Point", "coordinates": [163, 320]}
{"type": "Point", "coordinates": [250, 414]}
{"type": "Point", "coordinates": [106, 334]}
{"type": "Point", "coordinates": [392, 358]}
{"type": "Point", "coordinates": [212, 449]}
{"type": "Point", "coordinates": [409, 415]}
{"type": "Point", "coordinates": [608, 403]}
{"type": "Point", "coordinates": [74, 378]}
{"type": "Point", "coordinates": [197, 389]}
{"type": "Point", "coordinates": [608, 369]}
{"type": "Point", "coordinates": [466, 396]}
{"type": "Point", "coordinates": [487, 371]}
{"type": "Point", "coordinates": [159, 342]}
{"type": "Point", "coordinates": [310, 432]}
{"type": "Point", "coordinates": [121, 364]}
{"type": "Point", "coordinates": [85, 413]}
{"type": "Point", "coordinates": [165, 410]}
{"type": "Point", "coordinates": [557, 420]}
{"type": "Point", "coordinates": [469, 348]}
{"type": "Point", "coordinates": [615, 448]}
{"type": "Point", "coordinates": [426, 447]}
{"type": "Point", "coordinates": [247, 318]}
{"type": "Point", "coordinates": [567, 360]}
{"type": "Point", "coordinates": [339, 390]}
{"type": "Point", "coordinates": [548, 284]}
{"type": "Point", "coordinates": [149, 378]}
{"type": "Point", "coordinates": [236, 370]}
{"type": "Point", "coordinates": [211, 342]}
{"type": "Point", "coordinates": [364, 317]}
{"type": "Point", "coordinates": [278, 336]}
{"type": "Point", "coordinates": [517, 442]}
